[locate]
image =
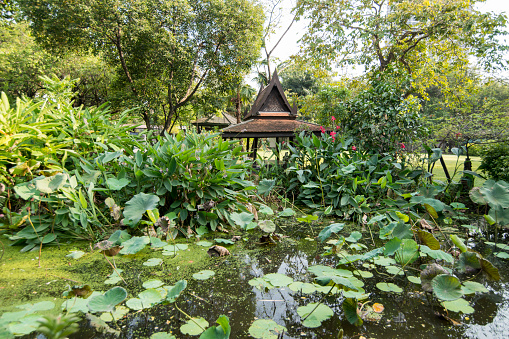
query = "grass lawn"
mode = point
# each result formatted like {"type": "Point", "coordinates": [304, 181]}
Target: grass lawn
{"type": "Point", "coordinates": [450, 162]}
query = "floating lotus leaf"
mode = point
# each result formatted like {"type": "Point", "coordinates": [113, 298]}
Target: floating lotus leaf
{"type": "Point", "coordinates": [75, 254]}
{"type": "Point", "coordinates": [203, 275]}
{"type": "Point", "coordinates": [314, 314]}
{"type": "Point", "coordinates": [363, 274]}
{"type": "Point", "coordinates": [503, 247]}
{"type": "Point", "coordinates": [446, 287]}
{"type": "Point", "coordinates": [114, 277]}
{"type": "Point", "coordinates": [153, 262]}
{"type": "Point", "coordinates": [321, 270]}
{"type": "Point", "coordinates": [502, 255]}
{"type": "Point", "coordinates": [40, 306]}
{"type": "Point", "coordinates": [470, 287]}
{"type": "Point", "coordinates": [162, 335]}
{"type": "Point", "coordinates": [266, 329]}
{"type": "Point", "coordinates": [194, 326]}
{"type": "Point", "coordinates": [458, 305]}
{"type": "Point", "coordinates": [224, 241]}
{"type": "Point", "coordinates": [413, 279]}
{"type": "Point", "coordinates": [172, 249]}
{"type": "Point", "coordinates": [154, 283]}
{"type": "Point", "coordinates": [107, 301]}
{"type": "Point", "coordinates": [119, 313]}
{"type": "Point", "coordinates": [134, 245]}
{"type": "Point", "coordinates": [25, 325]}
{"type": "Point", "coordinates": [260, 283]}
{"type": "Point", "coordinates": [305, 288]}
{"type": "Point", "coordinates": [395, 270]}
{"type": "Point", "coordinates": [175, 291]}
{"type": "Point", "coordinates": [384, 261]}
{"type": "Point", "coordinates": [267, 226]}
{"type": "Point", "coordinates": [278, 279]}
{"type": "Point", "coordinates": [218, 332]}
{"type": "Point", "coordinates": [204, 243]}
{"type": "Point", "coordinates": [76, 305]}
{"type": "Point", "coordinates": [350, 309]}
{"type": "Point", "coordinates": [389, 287]}
{"type": "Point", "coordinates": [137, 206]}
{"type": "Point", "coordinates": [430, 272]}
{"type": "Point", "coordinates": [329, 230]}
{"type": "Point", "coordinates": [146, 299]}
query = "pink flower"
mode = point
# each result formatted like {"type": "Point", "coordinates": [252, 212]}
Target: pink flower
{"type": "Point", "coordinates": [333, 118]}
{"type": "Point", "coordinates": [332, 134]}
{"type": "Point", "coordinates": [354, 148]}
{"type": "Point", "coordinates": [402, 145]}
{"type": "Point", "coordinates": [322, 129]}
{"type": "Point", "coordinates": [333, 139]}
{"type": "Point", "coordinates": [338, 127]}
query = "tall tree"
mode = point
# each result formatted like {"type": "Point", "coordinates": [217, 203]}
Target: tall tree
{"type": "Point", "coordinates": [425, 37]}
{"type": "Point", "coordinates": [164, 50]}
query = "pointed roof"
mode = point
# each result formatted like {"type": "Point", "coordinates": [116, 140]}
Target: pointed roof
{"type": "Point", "coordinates": [214, 120]}
{"type": "Point", "coordinates": [271, 101]}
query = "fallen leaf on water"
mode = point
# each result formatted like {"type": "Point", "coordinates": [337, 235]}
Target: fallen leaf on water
{"type": "Point", "coordinates": [378, 308]}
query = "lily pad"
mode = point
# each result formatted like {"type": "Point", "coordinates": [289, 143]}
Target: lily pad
{"type": "Point", "coordinates": [458, 305]}
{"type": "Point", "coordinates": [260, 283]}
{"type": "Point", "coordinates": [107, 301]}
{"type": "Point", "coordinates": [75, 254]}
{"type": "Point", "coordinates": [278, 279]}
{"type": "Point", "coordinates": [446, 287]}
{"type": "Point", "coordinates": [314, 314]}
{"type": "Point", "coordinates": [203, 275]}
{"type": "Point", "coordinates": [413, 279]}
{"type": "Point", "coordinates": [407, 253]}
{"type": "Point", "coordinates": [389, 287]}
{"type": "Point", "coordinates": [224, 241]}
{"type": "Point", "coordinates": [146, 299]}
{"type": "Point", "coordinates": [266, 329]}
{"type": "Point", "coordinates": [154, 283]}
{"type": "Point", "coordinates": [305, 288]}
{"type": "Point", "coordinates": [153, 262]}
{"type": "Point", "coordinates": [470, 287]}
{"type": "Point", "coordinates": [114, 277]}
{"type": "Point", "coordinates": [363, 274]}
{"type": "Point", "coordinates": [175, 290]}
{"type": "Point", "coordinates": [194, 326]}
{"type": "Point", "coordinates": [395, 270]}
{"type": "Point", "coordinates": [218, 332]}
{"type": "Point", "coordinates": [354, 236]}
{"type": "Point", "coordinates": [162, 335]}
{"type": "Point", "coordinates": [321, 270]}
{"type": "Point", "coordinates": [157, 243]}
{"type": "Point", "coordinates": [119, 313]}
{"type": "Point", "coordinates": [204, 243]}
{"type": "Point", "coordinates": [172, 249]}
{"type": "Point", "coordinates": [76, 305]}
{"type": "Point", "coordinates": [384, 261]}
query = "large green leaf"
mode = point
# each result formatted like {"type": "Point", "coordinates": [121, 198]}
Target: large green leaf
{"type": "Point", "coordinates": [266, 329]}
{"type": "Point", "coordinates": [446, 287]}
{"type": "Point", "coordinates": [117, 184]}
{"type": "Point", "coordinates": [329, 230]}
{"type": "Point", "coordinates": [175, 291]}
{"type": "Point", "coordinates": [194, 326]}
{"type": "Point", "coordinates": [51, 184]}
{"type": "Point", "coordinates": [146, 299]}
{"type": "Point", "coordinates": [407, 253]}
{"type": "Point", "coordinates": [278, 279]}
{"type": "Point", "coordinates": [242, 219]}
{"type": "Point", "coordinates": [350, 309]}
{"type": "Point", "coordinates": [314, 314]}
{"type": "Point", "coordinates": [137, 206]}
{"type": "Point", "coordinates": [389, 287]}
{"type": "Point", "coordinates": [496, 195]}
{"type": "Point", "coordinates": [489, 269]}
{"type": "Point", "coordinates": [134, 245]}
{"type": "Point", "coordinates": [468, 262]}
{"type": "Point", "coordinates": [265, 186]}
{"type": "Point", "coordinates": [218, 332]}
{"type": "Point", "coordinates": [204, 275]}
{"type": "Point", "coordinates": [428, 239]}
{"type": "Point", "coordinates": [458, 305]}
{"type": "Point", "coordinates": [429, 273]}
{"type": "Point", "coordinates": [107, 301]}
{"type": "Point", "coordinates": [267, 226]}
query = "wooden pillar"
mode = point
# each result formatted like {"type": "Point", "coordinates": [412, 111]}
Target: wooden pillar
{"type": "Point", "coordinates": [247, 144]}
{"type": "Point", "coordinates": [254, 147]}
{"type": "Point", "coordinates": [277, 151]}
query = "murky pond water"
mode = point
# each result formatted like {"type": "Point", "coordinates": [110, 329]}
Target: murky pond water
{"type": "Point", "coordinates": [411, 314]}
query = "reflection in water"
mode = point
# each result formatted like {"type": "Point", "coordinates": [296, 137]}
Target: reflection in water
{"type": "Point", "coordinates": [410, 314]}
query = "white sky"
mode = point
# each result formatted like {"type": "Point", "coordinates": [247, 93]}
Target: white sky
{"type": "Point", "coordinates": [290, 46]}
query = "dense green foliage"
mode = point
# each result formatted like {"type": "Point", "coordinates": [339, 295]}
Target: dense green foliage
{"type": "Point", "coordinates": [495, 161]}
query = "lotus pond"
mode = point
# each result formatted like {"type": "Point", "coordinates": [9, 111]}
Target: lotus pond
{"type": "Point", "coordinates": [288, 286]}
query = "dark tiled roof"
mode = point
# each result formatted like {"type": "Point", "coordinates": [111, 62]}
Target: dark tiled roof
{"type": "Point", "coordinates": [225, 119]}
{"type": "Point", "coordinates": [271, 126]}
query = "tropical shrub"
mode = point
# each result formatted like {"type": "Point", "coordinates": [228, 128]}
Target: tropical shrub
{"type": "Point", "coordinates": [495, 161]}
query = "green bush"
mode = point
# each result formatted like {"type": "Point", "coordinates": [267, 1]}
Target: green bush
{"type": "Point", "coordinates": [495, 161]}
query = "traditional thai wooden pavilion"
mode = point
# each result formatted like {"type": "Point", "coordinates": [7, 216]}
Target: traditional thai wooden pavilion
{"type": "Point", "coordinates": [271, 116]}
{"type": "Point", "coordinates": [214, 121]}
